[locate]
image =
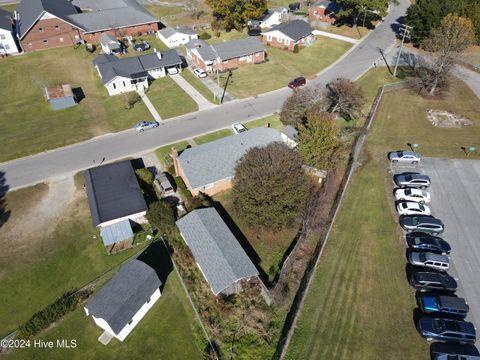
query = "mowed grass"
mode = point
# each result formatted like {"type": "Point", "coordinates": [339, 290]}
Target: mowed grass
{"type": "Point", "coordinates": [28, 125]}
{"type": "Point", "coordinates": [273, 120]}
{"type": "Point", "coordinates": [10, 7]}
{"type": "Point", "coordinates": [216, 135]}
{"type": "Point", "coordinates": [282, 66]}
{"type": "Point", "coordinates": [163, 153]}
{"type": "Point", "coordinates": [169, 99]}
{"type": "Point", "coordinates": [360, 303]}
{"type": "Point", "coordinates": [164, 333]}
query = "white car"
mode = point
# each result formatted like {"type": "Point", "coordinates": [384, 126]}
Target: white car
{"type": "Point", "coordinates": [412, 194]}
{"type": "Point", "coordinates": [238, 128]}
{"type": "Point", "coordinates": [200, 72]}
{"type": "Point", "coordinates": [405, 157]}
{"type": "Point", "coordinates": [172, 71]}
{"type": "Point", "coordinates": [412, 208]}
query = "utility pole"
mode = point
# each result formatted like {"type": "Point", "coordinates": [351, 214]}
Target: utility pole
{"type": "Point", "coordinates": [405, 29]}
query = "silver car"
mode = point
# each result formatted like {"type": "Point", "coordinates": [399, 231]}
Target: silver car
{"type": "Point", "coordinates": [145, 125]}
{"type": "Point", "coordinates": [404, 157]}
{"type": "Point", "coordinates": [430, 260]}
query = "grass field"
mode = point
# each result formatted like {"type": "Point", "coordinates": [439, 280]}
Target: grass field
{"type": "Point", "coordinates": [282, 66]}
{"type": "Point", "coordinates": [165, 330]}
{"type": "Point", "coordinates": [273, 120]}
{"type": "Point", "coordinates": [213, 136]}
{"type": "Point", "coordinates": [169, 99]}
{"type": "Point", "coordinates": [163, 152]}
{"type": "Point", "coordinates": [198, 84]}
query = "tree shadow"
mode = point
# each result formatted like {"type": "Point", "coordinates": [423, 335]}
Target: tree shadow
{"type": "Point", "coordinates": [397, 26]}
{"type": "Point", "coordinates": [157, 257]}
{"type": "Point", "coordinates": [4, 213]}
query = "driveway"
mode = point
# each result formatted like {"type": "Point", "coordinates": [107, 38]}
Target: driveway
{"type": "Point", "coordinates": [455, 194]}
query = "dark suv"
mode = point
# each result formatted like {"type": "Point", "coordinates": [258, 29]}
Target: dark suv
{"type": "Point", "coordinates": [428, 224]}
{"type": "Point", "coordinates": [423, 280]}
{"type": "Point", "coordinates": [295, 83]}
{"type": "Point", "coordinates": [422, 241]}
{"type": "Point", "coordinates": [447, 330]}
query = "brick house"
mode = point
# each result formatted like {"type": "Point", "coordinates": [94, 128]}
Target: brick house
{"type": "Point", "coordinates": [289, 34]}
{"type": "Point", "coordinates": [227, 55]}
{"type": "Point", "coordinates": [209, 168]}
{"type": "Point", "coordinates": [43, 24]}
{"type": "Point", "coordinates": [323, 10]}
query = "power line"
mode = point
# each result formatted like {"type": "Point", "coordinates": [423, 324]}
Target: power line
{"type": "Point", "coordinates": [405, 29]}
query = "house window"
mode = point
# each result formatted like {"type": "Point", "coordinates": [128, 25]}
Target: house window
{"type": "Point", "coordinates": [7, 47]}
{"type": "Point", "coordinates": [124, 84]}
{"type": "Point", "coordinates": [225, 61]}
{"type": "Point", "coordinates": [57, 28]}
{"type": "Point", "coordinates": [114, 86]}
{"type": "Point", "coordinates": [269, 37]}
{"type": "Point", "coordinates": [45, 42]}
{"type": "Point", "coordinates": [287, 41]}
{"type": "Point", "coordinates": [40, 30]}
{"type": "Point", "coordinates": [2, 37]}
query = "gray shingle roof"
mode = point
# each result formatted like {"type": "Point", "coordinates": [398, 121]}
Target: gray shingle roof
{"type": "Point", "coordinates": [236, 48]}
{"type": "Point", "coordinates": [216, 160]}
{"type": "Point", "coordinates": [117, 232]}
{"type": "Point", "coordinates": [113, 192]}
{"type": "Point", "coordinates": [168, 31]}
{"type": "Point", "coordinates": [31, 10]}
{"type": "Point", "coordinates": [290, 131]}
{"type": "Point", "coordinates": [216, 250]}
{"type": "Point", "coordinates": [196, 43]}
{"type": "Point", "coordinates": [135, 66]}
{"type": "Point", "coordinates": [5, 20]}
{"type": "Point", "coordinates": [295, 29]}
{"type": "Point", "coordinates": [125, 294]}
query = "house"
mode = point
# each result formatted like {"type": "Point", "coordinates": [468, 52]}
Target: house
{"type": "Point", "coordinates": [274, 17]}
{"type": "Point", "coordinates": [7, 39]}
{"type": "Point", "coordinates": [289, 34]}
{"type": "Point", "coordinates": [110, 45]}
{"type": "Point", "coordinates": [323, 10]}
{"type": "Point", "coordinates": [294, 7]}
{"type": "Point", "coordinates": [60, 96]}
{"type": "Point", "coordinates": [43, 24]}
{"type": "Point", "coordinates": [133, 73]}
{"type": "Point", "coordinates": [176, 37]}
{"type": "Point", "coordinates": [290, 136]}
{"type": "Point", "coordinates": [120, 305]}
{"type": "Point", "coordinates": [210, 167]}
{"type": "Point", "coordinates": [218, 254]}
{"type": "Point", "coordinates": [227, 55]}
{"type": "Point", "coordinates": [116, 200]}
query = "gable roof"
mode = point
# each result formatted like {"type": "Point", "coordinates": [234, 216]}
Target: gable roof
{"type": "Point", "coordinates": [231, 49]}
{"type": "Point", "coordinates": [30, 11]}
{"type": "Point", "coordinates": [120, 231]}
{"type": "Point", "coordinates": [216, 250]}
{"type": "Point", "coordinates": [5, 20]}
{"type": "Point", "coordinates": [107, 39]}
{"type": "Point", "coordinates": [113, 192]}
{"type": "Point", "coordinates": [295, 29]}
{"type": "Point", "coordinates": [290, 132]}
{"type": "Point", "coordinates": [167, 32]}
{"type": "Point", "coordinates": [196, 43]}
{"type": "Point", "coordinates": [207, 163]}
{"type": "Point", "coordinates": [134, 67]}
{"type": "Point", "coordinates": [125, 294]}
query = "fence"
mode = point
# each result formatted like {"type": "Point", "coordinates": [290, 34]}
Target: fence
{"type": "Point", "coordinates": [308, 275]}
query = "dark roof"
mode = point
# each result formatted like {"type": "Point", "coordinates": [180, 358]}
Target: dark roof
{"type": "Point", "coordinates": [5, 20]}
{"type": "Point", "coordinates": [290, 132]}
{"type": "Point", "coordinates": [125, 294]}
{"type": "Point", "coordinates": [136, 66]}
{"type": "Point", "coordinates": [295, 29]}
{"type": "Point", "coordinates": [216, 250]}
{"type": "Point", "coordinates": [237, 48]}
{"type": "Point", "coordinates": [109, 40]}
{"type": "Point", "coordinates": [196, 43]}
{"type": "Point", "coordinates": [113, 192]}
{"type": "Point", "coordinates": [31, 10]}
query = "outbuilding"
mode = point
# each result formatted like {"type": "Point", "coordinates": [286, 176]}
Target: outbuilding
{"type": "Point", "coordinates": [60, 96]}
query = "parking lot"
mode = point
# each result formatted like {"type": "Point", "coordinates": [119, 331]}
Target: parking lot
{"type": "Point", "coordinates": [455, 192]}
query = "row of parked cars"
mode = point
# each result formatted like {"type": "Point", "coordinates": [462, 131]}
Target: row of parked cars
{"type": "Point", "coordinates": [443, 313]}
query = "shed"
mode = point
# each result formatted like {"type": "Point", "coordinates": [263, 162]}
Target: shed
{"type": "Point", "coordinates": [60, 96]}
{"type": "Point", "coordinates": [117, 236]}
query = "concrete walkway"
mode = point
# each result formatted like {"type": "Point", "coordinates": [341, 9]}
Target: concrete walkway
{"type": "Point", "coordinates": [192, 92]}
{"type": "Point", "coordinates": [470, 77]}
{"type": "Point", "coordinates": [211, 82]}
{"type": "Point", "coordinates": [335, 36]}
{"type": "Point", "coordinates": [150, 106]}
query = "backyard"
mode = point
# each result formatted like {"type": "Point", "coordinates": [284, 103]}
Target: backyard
{"type": "Point", "coordinates": [282, 66]}
{"type": "Point", "coordinates": [359, 301]}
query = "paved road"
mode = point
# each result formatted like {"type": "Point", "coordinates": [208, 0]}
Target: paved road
{"type": "Point", "coordinates": [61, 162]}
{"type": "Point", "coordinates": [456, 200]}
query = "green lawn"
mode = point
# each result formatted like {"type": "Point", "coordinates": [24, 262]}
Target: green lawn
{"type": "Point", "coordinates": [225, 35]}
{"type": "Point", "coordinates": [163, 152]}
{"type": "Point", "coordinates": [198, 84]}
{"type": "Point", "coordinates": [213, 136]}
{"type": "Point", "coordinates": [10, 7]}
{"type": "Point", "coordinates": [282, 66]}
{"type": "Point", "coordinates": [169, 99]}
{"type": "Point", "coordinates": [273, 120]}
{"type": "Point", "coordinates": [165, 330]}
{"type": "Point", "coordinates": [162, 11]}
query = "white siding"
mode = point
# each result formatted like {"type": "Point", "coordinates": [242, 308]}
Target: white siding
{"type": "Point", "coordinates": [281, 37]}
{"type": "Point", "coordinates": [176, 39]}
{"type": "Point", "coordinates": [120, 85]}
{"type": "Point", "coordinates": [138, 218]}
{"type": "Point", "coordinates": [7, 42]}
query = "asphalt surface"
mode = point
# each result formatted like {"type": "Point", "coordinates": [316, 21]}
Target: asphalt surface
{"type": "Point", "coordinates": [455, 192]}
{"type": "Point", "coordinates": [65, 161]}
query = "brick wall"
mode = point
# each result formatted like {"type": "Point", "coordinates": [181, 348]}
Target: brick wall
{"type": "Point", "coordinates": [279, 43]}
{"type": "Point", "coordinates": [321, 14]}
{"type": "Point", "coordinates": [218, 186]}
{"type": "Point", "coordinates": [119, 33]}
{"type": "Point", "coordinates": [50, 33]}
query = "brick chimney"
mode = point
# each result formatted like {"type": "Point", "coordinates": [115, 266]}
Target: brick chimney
{"type": "Point", "coordinates": [266, 124]}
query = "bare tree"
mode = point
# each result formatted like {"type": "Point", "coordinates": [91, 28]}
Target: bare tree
{"type": "Point", "coordinates": [345, 98]}
{"type": "Point", "coordinates": [295, 107]}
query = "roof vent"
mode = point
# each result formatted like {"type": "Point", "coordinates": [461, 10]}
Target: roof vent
{"type": "Point", "coordinates": [159, 55]}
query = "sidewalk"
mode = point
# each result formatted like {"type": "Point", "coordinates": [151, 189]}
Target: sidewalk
{"type": "Point", "coordinates": [192, 92]}
{"type": "Point", "coordinates": [337, 37]}
{"type": "Point", "coordinates": [150, 106]}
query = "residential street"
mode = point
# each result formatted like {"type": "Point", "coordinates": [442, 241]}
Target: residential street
{"type": "Point", "coordinates": [65, 161]}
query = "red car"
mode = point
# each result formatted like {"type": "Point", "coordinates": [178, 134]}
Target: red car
{"type": "Point", "coordinates": [295, 83]}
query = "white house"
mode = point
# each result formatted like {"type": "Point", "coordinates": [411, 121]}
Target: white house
{"type": "Point", "coordinates": [7, 39]}
{"type": "Point", "coordinates": [176, 37]}
{"type": "Point", "coordinates": [126, 299]}
{"type": "Point", "coordinates": [274, 17]}
{"type": "Point", "coordinates": [133, 73]}
{"type": "Point", "coordinates": [288, 34]}
{"type": "Point", "coordinates": [110, 45]}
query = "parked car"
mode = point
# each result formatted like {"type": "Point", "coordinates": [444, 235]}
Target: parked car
{"type": "Point", "coordinates": [412, 194]}
{"type": "Point", "coordinates": [426, 242]}
{"type": "Point", "coordinates": [163, 183]}
{"type": "Point", "coordinates": [254, 31]}
{"type": "Point", "coordinates": [404, 157]}
{"type": "Point", "coordinates": [428, 259]}
{"type": "Point", "coordinates": [412, 208]}
{"type": "Point", "coordinates": [425, 280]}
{"type": "Point", "coordinates": [141, 46]}
{"type": "Point", "coordinates": [428, 224]}
{"type": "Point", "coordinates": [412, 179]}
{"type": "Point", "coordinates": [145, 125]}
{"type": "Point", "coordinates": [455, 355]}
{"type": "Point", "coordinates": [238, 128]}
{"type": "Point", "coordinates": [297, 82]}
{"type": "Point", "coordinates": [200, 72]}
{"type": "Point", "coordinates": [172, 71]}
{"type": "Point", "coordinates": [447, 330]}
{"type": "Point", "coordinates": [442, 304]}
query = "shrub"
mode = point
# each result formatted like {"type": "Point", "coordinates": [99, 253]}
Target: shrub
{"type": "Point", "coordinates": [160, 215]}
{"type": "Point", "coordinates": [296, 49]}
{"type": "Point", "coordinates": [205, 36]}
{"type": "Point", "coordinates": [145, 175]}
{"type": "Point", "coordinates": [131, 99]}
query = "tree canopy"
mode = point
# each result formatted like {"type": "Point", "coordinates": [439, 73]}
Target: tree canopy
{"type": "Point", "coordinates": [344, 97]}
{"type": "Point", "coordinates": [234, 14]}
{"type": "Point", "coordinates": [353, 9]}
{"type": "Point", "coordinates": [160, 215]}
{"type": "Point", "coordinates": [270, 187]}
{"type": "Point", "coordinates": [295, 107]}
